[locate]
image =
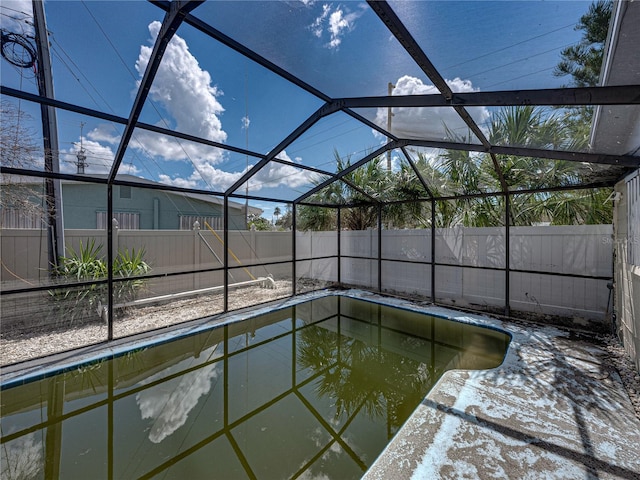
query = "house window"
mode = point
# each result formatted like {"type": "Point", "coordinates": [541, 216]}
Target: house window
{"type": "Point", "coordinates": [125, 191]}
{"type": "Point", "coordinates": [21, 218]}
{"type": "Point", "coordinates": [126, 220]}
{"type": "Point", "coordinates": [633, 220]}
{"type": "Point", "coordinates": [187, 221]}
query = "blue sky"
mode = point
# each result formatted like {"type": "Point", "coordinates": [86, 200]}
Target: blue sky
{"type": "Point", "coordinates": [100, 50]}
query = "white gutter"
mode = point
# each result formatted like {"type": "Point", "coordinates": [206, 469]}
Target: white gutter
{"type": "Point", "coordinates": [610, 46]}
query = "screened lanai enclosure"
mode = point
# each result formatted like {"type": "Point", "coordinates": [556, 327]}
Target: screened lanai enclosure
{"type": "Point", "coordinates": [368, 145]}
{"type": "Point", "coordinates": [165, 162]}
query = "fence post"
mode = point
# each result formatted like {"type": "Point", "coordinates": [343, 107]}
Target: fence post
{"type": "Point", "coordinates": [196, 254]}
{"type": "Point", "coordinates": [116, 242]}
{"type": "Point", "coordinates": [252, 251]}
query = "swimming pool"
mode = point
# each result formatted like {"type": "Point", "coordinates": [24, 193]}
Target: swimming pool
{"type": "Point", "coordinates": [314, 389]}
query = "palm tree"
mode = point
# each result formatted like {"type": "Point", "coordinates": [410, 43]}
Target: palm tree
{"type": "Point", "coordinates": [315, 218]}
{"type": "Point", "coordinates": [360, 212]}
{"type": "Point", "coordinates": [405, 185]}
{"type": "Point", "coordinates": [276, 213]}
{"type": "Point", "coordinates": [458, 172]}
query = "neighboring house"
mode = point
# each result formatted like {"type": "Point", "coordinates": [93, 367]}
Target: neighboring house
{"type": "Point", "coordinates": [134, 208]}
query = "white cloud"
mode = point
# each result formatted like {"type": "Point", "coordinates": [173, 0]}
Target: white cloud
{"type": "Point", "coordinates": [17, 16]}
{"type": "Point", "coordinates": [277, 174]}
{"type": "Point", "coordinates": [99, 157]}
{"type": "Point", "coordinates": [318, 24]}
{"type": "Point", "coordinates": [177, 181]}
{"type": "Point", "coordinates": [218, 179]}
{"type": "Point", "coordinates": [169, 404]}
{"type": "Point", "coordinates": [22, 458]}
{"type": "Point", "coordinates": [185, 91]}
{"type": "Point", "coordinates": [428, 123]}
{"type": "Point", "coordinates": [340, 21]}
{"type": "Point", "coordinates": [337, 24]}
{"type": "Point", "coordinates": [105, 133]}
{"type": "Point", "coordinates": [169, 148]}
{"type": "Point", "coordinates": [270, 176]}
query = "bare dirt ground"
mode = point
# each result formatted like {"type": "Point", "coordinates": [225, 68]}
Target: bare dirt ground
{"type": "Point", "coordinates": [625, 367]}
{"type": "Point", "coordinates": [24, 343]}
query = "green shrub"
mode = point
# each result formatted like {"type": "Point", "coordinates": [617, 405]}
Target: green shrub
{"type": "Point", "coordinates": [129, 264]}
{"type": "Point", "coordinates": [76, 304]}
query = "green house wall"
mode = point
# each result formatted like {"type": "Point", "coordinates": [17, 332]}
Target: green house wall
{"type": "Point", "coordinates": [157, 209]}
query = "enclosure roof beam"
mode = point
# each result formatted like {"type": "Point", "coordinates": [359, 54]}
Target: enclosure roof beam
{"type": "Point", "coordinates": [258, 198]}
{"type": "Point", "coordinates": [402, 34]}
{"type": "Point", "coordinates": [324, 110]}
{"type": "Point", "coordinates": [32, 97]}
{"type": "Point", "coordinates": [599, 158]}
{"type": "Point", "coordinates": [368, 123]}
{"type": "Point", "coordinates": [416, 171]}
{"type": "Point", "coordinates": [563, 188]}
{"type": "Point", "coordinates": [359, 190]}
{"type": "Point", "coordinates": [609, 95]}
{"type": "Point", "coordinates": [302, 166]}
{"type": "Point", "coordinates": [178, 9]}
{"type": "Point", "coordinates": [397, 28]}
{"type": "Point", "coordinates": [389, 146]}
{"type": "Point", "coordinates": [121, 120]}
{"type": "Point", "coordinates": [238, 47]}
{"type": "Point", "coordinates": [44, 174]}
{"type": "Point", "coordinates": [585, 157]}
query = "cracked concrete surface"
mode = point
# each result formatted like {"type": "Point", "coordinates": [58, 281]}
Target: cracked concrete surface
{"type": "Point", "coordinates": [554, 409]}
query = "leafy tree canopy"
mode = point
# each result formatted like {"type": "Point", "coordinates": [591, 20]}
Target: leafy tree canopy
{"type": "Point", "coordinates": [584, 60]}
{"type": "Point", "coordinates": [453, 172]}
{"type": "Point", "coordinates": [259, 223]}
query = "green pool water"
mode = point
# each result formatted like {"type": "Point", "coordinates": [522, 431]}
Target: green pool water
{"type": "Point", "coordinates": [316, 390]}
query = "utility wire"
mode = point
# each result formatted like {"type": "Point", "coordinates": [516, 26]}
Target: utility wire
{"type": "Point", "coordinates": [528, 57]}
{"type": "Point", "coordinates": [508, 47]}
{"type": "Point", "coordinates": [521, 76]}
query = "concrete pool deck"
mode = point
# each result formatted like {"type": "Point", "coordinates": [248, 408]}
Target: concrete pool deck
{"type": "Point", "coordinates": [556, 408]}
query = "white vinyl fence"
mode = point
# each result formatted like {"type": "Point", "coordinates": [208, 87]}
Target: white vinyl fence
{"type": "Point", "coordinates": [469, 268]}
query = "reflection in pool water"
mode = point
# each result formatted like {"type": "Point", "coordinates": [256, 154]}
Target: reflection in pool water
{"type": "Point", "coordinates": [314, 390]}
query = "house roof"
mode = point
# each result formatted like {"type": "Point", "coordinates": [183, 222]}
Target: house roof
{"type": "Point", "coordinates": [215, 199]}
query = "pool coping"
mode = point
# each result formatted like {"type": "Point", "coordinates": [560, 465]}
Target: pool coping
{"type": "Point", "coordinates": [552, 409]}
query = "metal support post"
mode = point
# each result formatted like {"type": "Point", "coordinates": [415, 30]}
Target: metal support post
{"type": "Point", "coordinates": [379, 247]}
{"type": "Point", "coordinates": [110, 258]}
{"type": "Point", "coordinates": [225, 237]}
{"type": "Point", "coordinates": [339, 227]}
{"type": "Point", "coordinates": [433, 251]}
{"type": "Point", "coordinates": [507, 241]}
{"type": "Point", "coordinates": [293, 248]}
